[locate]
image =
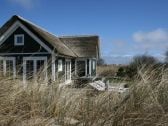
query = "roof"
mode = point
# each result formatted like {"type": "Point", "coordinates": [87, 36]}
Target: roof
{"type": "Point", "coordinates": [74, 46]}
{"type": "Point", "coordinates": [83, 46]}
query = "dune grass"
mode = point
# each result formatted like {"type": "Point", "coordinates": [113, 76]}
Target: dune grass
{"type": "Point", "coordinates": [41, 105]}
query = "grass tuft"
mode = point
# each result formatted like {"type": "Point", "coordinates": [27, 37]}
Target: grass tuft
{"type": "Point", "coordinates": [39, 105]}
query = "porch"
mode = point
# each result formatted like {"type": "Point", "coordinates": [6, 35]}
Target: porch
{"type": "Point", "coordinates": [45, 68]}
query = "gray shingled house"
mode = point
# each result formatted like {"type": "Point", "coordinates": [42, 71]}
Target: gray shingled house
{"type": "Point", "coordinates": [26, 50]}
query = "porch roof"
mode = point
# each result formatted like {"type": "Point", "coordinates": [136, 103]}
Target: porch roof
{"type": "Point", "coordinates": [83, 46]}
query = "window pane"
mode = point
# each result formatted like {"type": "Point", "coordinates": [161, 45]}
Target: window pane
{"type": "Point", "coordinates": [59, 65]}
{"type": "Point", "coordinates": [1, 67]}
{"type": "Point", "coordinates": [81, 68]}
{"type": "Point", "coordinates": [94, 65]}
{"type": "Point", "coordinates": [9, 68]}
{"type": "Point", "coordinates": [68, 70]}
{"type": "Point", "coordinates": [41, 72]}
{"type": "Point", "coordinates": [29, 69]}
{"type": "Point", "coordinates": [19, 39]}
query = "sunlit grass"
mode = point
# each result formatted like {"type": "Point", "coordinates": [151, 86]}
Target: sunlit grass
{"type": "Point", "coordinates": [39, 105]}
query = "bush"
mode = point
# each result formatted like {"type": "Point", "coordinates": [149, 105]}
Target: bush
{"type": "Point", "coordinates": [100, 62]}
{"type": "Point", "coordinates": [137, 63]}
{"type": "Point", "coordinates": [121, 72]}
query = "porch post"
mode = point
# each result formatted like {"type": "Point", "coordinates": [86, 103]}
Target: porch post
{"type": "Point", "coordinates": [14, 68]}
{"type": "Point", "coordinates": [90, 67]}
{"type": "Point", "coordinates": [86, 74]}
{"type": "Point", "coordinates": [24, 72]}
{"type": "Point", "coordinates": [53, 67]}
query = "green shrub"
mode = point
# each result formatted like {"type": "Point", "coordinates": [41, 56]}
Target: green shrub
{"type": "Point", "coordinates": [121, 72]}
{"type": "Point", "coordinates": [139, 62]}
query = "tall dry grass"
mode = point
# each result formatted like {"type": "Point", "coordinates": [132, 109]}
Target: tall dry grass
{"type": "Point", "coordinates": [145, 105]}
{"type": "Point", "coordinates": [107, 70]}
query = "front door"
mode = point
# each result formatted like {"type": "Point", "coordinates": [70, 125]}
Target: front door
{"type": "Point", "coordinates": [34, 68]}
{"type": "Point", "coordinates": [68, 70]}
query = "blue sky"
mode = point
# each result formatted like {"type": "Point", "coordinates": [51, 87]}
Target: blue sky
{"type": "Point", "coordinates": [126, 27]}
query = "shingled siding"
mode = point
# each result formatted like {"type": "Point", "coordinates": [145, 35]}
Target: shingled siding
{"type": "Point", "coordinates": [30, 45]}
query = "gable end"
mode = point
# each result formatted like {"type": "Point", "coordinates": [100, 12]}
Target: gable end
{"type": "Point", "coordinates": [14, 27]}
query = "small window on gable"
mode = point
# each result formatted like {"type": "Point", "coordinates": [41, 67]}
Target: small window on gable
{"type": "Point", "coordinates": [19, 39]}
{"type": "Point", "coordinates": [59, 65]}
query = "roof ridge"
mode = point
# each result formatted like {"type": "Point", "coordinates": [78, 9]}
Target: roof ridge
{"type": "Point", "coordinates": [20, 17]}
{"type": "Point", "coordinates": [70, 48]}
{"type": "Point", "coordinates": [73, 36]}
{"type": "Point", "coordinates": [44, 30]}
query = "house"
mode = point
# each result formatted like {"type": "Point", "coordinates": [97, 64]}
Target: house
{"type": "Point", "coordinates": [27, 49]}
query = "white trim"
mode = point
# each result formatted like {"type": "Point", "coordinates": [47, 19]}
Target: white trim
{"type": "Point", "coordinates": [24, 53]}
{"type": "Point", "coordinates": [15, 40]}
{"type": "Point", "coordinates": [35, 25]}
{"type": "Point", "coordinates": [34, 59]}
{"type": "Point", "coordinates": [53, 67]}
{"type": "Point", "coordinates": [9, 32]}
{"type": "Point", "coordinates": [19, 24]}
{"type": "Point", "coordinates": [35, 69]}
{"type": "Point", "coordinates": [4, 66]}
{"type": "Point", "coordinates": [86, 68]}
{"type": "Point", "coordinates": [14, 68]}
{"type": "Point", "coordinates": [90, 67]}
{"type": "Point", "coordinates": [24, 71]}
{"type": "Point", "coordinates": [68, 81]}
{"type": "Point", "coordinates": [60, 65]}
{"type": "Point", "coordinates": [13, 59]}
{"type": "Point", "coordinates": [94, 65]}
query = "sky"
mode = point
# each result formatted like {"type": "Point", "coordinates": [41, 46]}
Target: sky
{"type": "Point", "coordinates": [126, 27]}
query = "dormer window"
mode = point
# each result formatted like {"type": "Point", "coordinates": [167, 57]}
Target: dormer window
{"type": "Point", "coordinates": [19, 39]}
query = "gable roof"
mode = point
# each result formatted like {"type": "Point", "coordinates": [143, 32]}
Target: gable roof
{"type": "Point", "coordinates": [83, 46]}
{"type": "Point", "coordinates": [74, 46]}
{"type": "Point", "coordinates": [52, 41]}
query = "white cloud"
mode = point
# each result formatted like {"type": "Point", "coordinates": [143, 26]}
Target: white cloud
{"type": "Point", "coordinates": [24, 3]}
{"type": "Point", "coordinates": [118, 59]}
{"type": "Point", "coordinates": [153, 43]}
{"type": "Point", "coordinates": [156, 39]}
{"type": "Point", "coordinates": [119, 47]}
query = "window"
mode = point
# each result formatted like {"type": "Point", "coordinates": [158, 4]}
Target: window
{"type": "Point", "coordinates": [19, 39]}
{"type": "Point", "coordinates": [7, 66]}
{"type": "Point", "coordinates": [94, 65]}
{"type": "Point", "coordinates": [59, 65]}
{"type": "Point", "coordinates": [81, 69]}
{"type": "Point", "coordinates": [1, 67]}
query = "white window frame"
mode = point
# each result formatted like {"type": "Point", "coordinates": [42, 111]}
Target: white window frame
{"type": "Point", "coordinates": [60, 65]}
{"type": "Point", "coordinates": [16, 37]}
{"type": "Point", "coordinates": [13, 59]}
{"type": "Point", "coordinates": [34, 59]}
{"type": "Point", "coordinates": [68, 81]}
{"type": "Point", "coordinates": [93, 65]}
